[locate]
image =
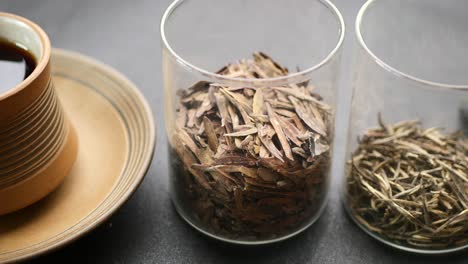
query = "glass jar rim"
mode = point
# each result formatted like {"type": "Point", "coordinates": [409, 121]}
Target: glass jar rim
{"type": "Point", "coordinates": [386, 66]}
{"type": "Point", "coordinates": [296, 77]}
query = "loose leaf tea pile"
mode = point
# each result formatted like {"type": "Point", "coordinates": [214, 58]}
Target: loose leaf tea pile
{"type": "Point", "coordinates": [255, 160]}
{"type": "Point", "coordinates": [411, 185]}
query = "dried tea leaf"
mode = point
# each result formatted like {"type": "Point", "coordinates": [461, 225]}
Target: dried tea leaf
{"type": "Point", "coordinates": [222, 105]}
{"type": "Point", "coordinates": [258, 103]}
{"type": "Point", "coordinates": [242, 133]}
{"type": "Point", "coordinates": [210, 134]}
{"type": "Point", "coordinates": [268, 175]}
{"type": "Point", "coordinates": [306, 116]}
{"type": "Point", "coordinates": [290, 131]}
{"type": "Point", "coordinates": [295, 93]}
{"type": "Point", "coordinates": [279, 132]}
{"type": "Point", "coordinates": [267, 142]}
{"type": "Point", "coordinates": [319, 146]}
{"type": "Point", "coordinates": [285, 113]}
{"type": "Point", "coordinates": [237, 100]}
{"type": "Point", "coordinates": [207, 104]}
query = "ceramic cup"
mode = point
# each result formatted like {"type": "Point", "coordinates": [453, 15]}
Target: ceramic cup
{"type": "Point", "coordinates": [38, 145]}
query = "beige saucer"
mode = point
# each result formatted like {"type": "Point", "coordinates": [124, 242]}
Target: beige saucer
{"type": "Point", "coordinates": [116, 141]}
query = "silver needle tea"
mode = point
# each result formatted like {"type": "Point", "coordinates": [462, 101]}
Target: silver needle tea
{"type": "Point", "coordinates": [410, 185]}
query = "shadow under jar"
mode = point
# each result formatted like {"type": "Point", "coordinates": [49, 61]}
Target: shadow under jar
{"type": "Point", "coordinates": [406, 178]}
{"type": "Point", "coordinates": [250, 94]}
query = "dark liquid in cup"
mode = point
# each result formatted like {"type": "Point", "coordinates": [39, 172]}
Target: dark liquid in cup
{"type": "Point", "coordinates": [16, 64]}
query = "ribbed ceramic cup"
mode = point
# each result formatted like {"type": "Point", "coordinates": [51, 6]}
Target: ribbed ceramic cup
{"type": "Point", "coordinates": [38, 145]}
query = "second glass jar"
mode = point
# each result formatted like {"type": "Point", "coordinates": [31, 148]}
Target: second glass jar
{"type": "Point", "coordinates": [406, 180]}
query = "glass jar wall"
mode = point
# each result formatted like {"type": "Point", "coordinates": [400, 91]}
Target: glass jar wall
{"type": "Point", "coordinates": [250, 96]}
{"type": "Point", "coordinates": [407, 166]}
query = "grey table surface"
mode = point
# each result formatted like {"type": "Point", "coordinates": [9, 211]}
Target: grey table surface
{"type": "Point", "coordinates": [125, 35]}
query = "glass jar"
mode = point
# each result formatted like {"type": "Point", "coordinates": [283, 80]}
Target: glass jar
{"type": "Point", "coordinates": [249, 140]}
{"type": "Point", "coordinates": [407, 164]}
